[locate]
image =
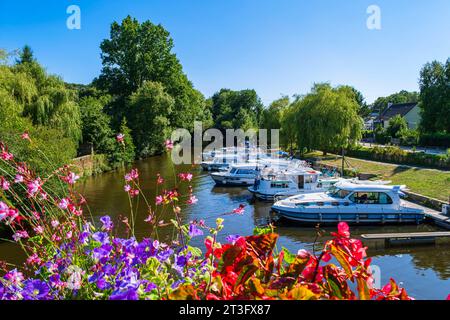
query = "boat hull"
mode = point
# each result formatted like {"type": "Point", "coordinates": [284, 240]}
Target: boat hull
{"type": "Point", "coordinates": [223, 180]}
{"type": "Point", "coordinates": [351, 217]}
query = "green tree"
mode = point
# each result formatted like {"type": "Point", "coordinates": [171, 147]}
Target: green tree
{"type": "Point", "coordinates": [26, 55]}
{"type": "Point", "coordinates": [400, 97]}
{"type": "Point", "coordinates": [396, 126]}
{"type": "Point", "coordinates": [327, 119]}
{"type": "Point", "coordinates": [122, 153]}
{"type": "Point", "coordinates": [236, 109]}
{"type": "Point", "coordinates": [96, 127]}
{"type": "Point", "coordinates": [149, 110]}
{"type": "Point", "coordinates": [435, 97]}
{"type": "Point", "coordinates": [138, 52]}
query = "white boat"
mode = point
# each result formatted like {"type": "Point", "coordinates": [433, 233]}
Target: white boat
{"type": "Point", "coordinates": [271, 184]}
{"type": "Point", "coordinates": [221, 162]}
{"type": "Point", "coordinates": [352, 203]}
{"type": "Point", "coordinates": [241, 174]}
{"type": "Point", "coordinates": [244, 174]}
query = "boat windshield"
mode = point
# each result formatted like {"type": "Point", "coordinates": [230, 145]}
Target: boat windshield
{"type": "Point", "coordinates": [338, 193]}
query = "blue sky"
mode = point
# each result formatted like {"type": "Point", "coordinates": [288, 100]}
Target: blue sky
{"type": "Point", "coordinates": [274, 46]}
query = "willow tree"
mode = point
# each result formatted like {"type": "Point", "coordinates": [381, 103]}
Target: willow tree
{"type": "Point", "coordinates": [327, 119]}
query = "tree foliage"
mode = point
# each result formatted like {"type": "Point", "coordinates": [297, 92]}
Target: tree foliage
{"type": "Point", "coordinates": [236, 109]}
{"type": "Point", "coordinates": [149, 110]}
{"type": "Point", "coordinates": [327, 118]}
{"type": "Point", "coordinates": [400, 97]}
{"type": "Point", "coordinates": [435, 97]}
{"type": "Point", "coordinates": [139, 52]}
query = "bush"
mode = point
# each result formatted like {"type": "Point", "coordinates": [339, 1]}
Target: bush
{"type": "Point", "coordinates": [409, 138]}
{"type": "Point", "coordinates": [399, 156]}
{"type": "Point", "coordinates": [438, 139]}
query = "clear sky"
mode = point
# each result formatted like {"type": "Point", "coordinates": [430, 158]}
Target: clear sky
{"type": "Point", "coordinates": [274, 46]}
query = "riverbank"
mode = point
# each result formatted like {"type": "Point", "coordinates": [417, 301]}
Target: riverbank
{"type": "Point", "coordinates": [433, 183]}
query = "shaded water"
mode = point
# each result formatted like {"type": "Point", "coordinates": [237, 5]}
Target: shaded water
{"type": "Point", "coordinates": [423, 270]}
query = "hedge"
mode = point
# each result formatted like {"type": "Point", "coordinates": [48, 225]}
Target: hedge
{"type": "Point", "coordinates": [398, 156]}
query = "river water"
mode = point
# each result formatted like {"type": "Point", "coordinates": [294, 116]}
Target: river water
{"type": "Point", "coordinates": [423, 270]}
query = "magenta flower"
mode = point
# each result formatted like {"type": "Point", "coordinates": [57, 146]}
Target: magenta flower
{"type": "Point", "coordinates": [133, 175]}
{"type": "Point", "coordinates": [6, 155]}
{"type": "Point", "coordinates": [39, 230]}
{"type": "Point", "coordinates": [25, 136]}
{"type": "Point", "coordinates": [239, 210]}
{"type": "Point", "coordinates": [4, 209]}
{"type": "Point", "coordinates": [20, 235]}
{"type": "Point", "coordinates": [186, 176]}
{"type": "Point", "coordinates": [18, 178]}
{"type": "Point", "coordinates": [55, 223]}
{"type": "Point", "coordinates": [63, 204]}
{"type": "Point", "coordinates": [120, 138]}
{"type": "Point", "coordinates": [169, 144]}
{"type": "Point", "coordinates": [159, 200]}
{"type": "Point", "coordinates": [71, 178]}
{"type": "Point", "coordinates": [192, 199]}
{"type": "Point", "coordinates": [33, 187]}
{"type": "Point", "coordinates": [127, 188]}
{"type": "Point", "coordinates": [4, 184]}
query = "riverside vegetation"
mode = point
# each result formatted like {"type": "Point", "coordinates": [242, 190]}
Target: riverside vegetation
{"type": "Point", "coordinates": [70, 256]}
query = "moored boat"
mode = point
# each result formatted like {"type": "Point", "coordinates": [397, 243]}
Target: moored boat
{"type": "Point", "coordinates": [354, 203]}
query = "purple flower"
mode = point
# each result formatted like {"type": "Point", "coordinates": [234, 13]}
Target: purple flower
{"type": "Point", "coordinates": [107, 223]}
{"type": "Point", "coordinates": [194, 231]}
{"type": "Point", "coordinates": [150, 287]}
{"type": "Point", "coordinates": [102, 253]}
{"type": "Point", "coordinates": [125, 295]}
{"type": "Point", "coordinates": [101, 237]}
{"type": "Point", "coordinates": [232, 238]}
{"type": "Point", "coordinates": [35, 290]}
{"type": "Point", "coordinates": [164, 255]}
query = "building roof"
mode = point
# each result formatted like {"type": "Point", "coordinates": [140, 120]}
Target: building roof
{"type": "Point", "coordinates": [397, 109]}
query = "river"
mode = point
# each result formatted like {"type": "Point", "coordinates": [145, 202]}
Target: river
{"type": "Point", "coordinates": [423, 270]}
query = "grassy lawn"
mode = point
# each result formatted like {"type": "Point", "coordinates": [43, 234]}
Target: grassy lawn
{"type": "Point", "coordinates": [428, 182]}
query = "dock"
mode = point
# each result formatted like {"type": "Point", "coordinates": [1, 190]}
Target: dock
{"type": "Point", "coordinates": [438, 218]}
{"type": "Point", "coordinates": [407, 237]}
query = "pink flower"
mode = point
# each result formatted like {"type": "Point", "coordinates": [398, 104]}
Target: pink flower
{"type": "Point", "coordinates": [6, 155]}
{"type": "Point", "coordinates": [4, 209]}
{"type": "Point", "coordinates": [55, 223]}
{"type": "Point", "coordinates": [169, 144]}
{"type": "Point", "coordinates": [159, 200]}
{"type": "Point", "coordinates": [15, 277]}
{"type": "Point", "coordinates": [133, 175]}
{"type": "Point", "coordinates": [192, 200]}
{"type": "Point", "coordinates": [63, 204]}
{"type": "Point", "coordinates": [343, 230]}
{"type": "Point", "coordinates": [186, 176]}
{"type": "Point", "coordinates": [72, 178]}
{"type": "Point", "coordinates": [303, 254]}
{"type": "Point", "coordinates": [39, 230]}
{"type": "Point", "coordinates": [20, 235]}
{"type": "Point", "coordinates": [159, 179]}
{"type": "Point", "coordinates": [33, 187]}
{"type": "Point", "coordinates": [18, 178]}
{"type": "Point", "coordinates": [134, 193]}
{"type": "Point", "coordinates": [69, 235]}
{"type": "Point", "coordinates": [120, 138]}
{"type": "Point", "coordinates": [34, 259]}
{"type": "Point", "coordinates": [25, 136]}
{"type": "Point", "coordinates": [239, 210]}
{"type": "Point", "coordinates": [127, 188]}
{"type": "Point", "coordinates": [4, 183]}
